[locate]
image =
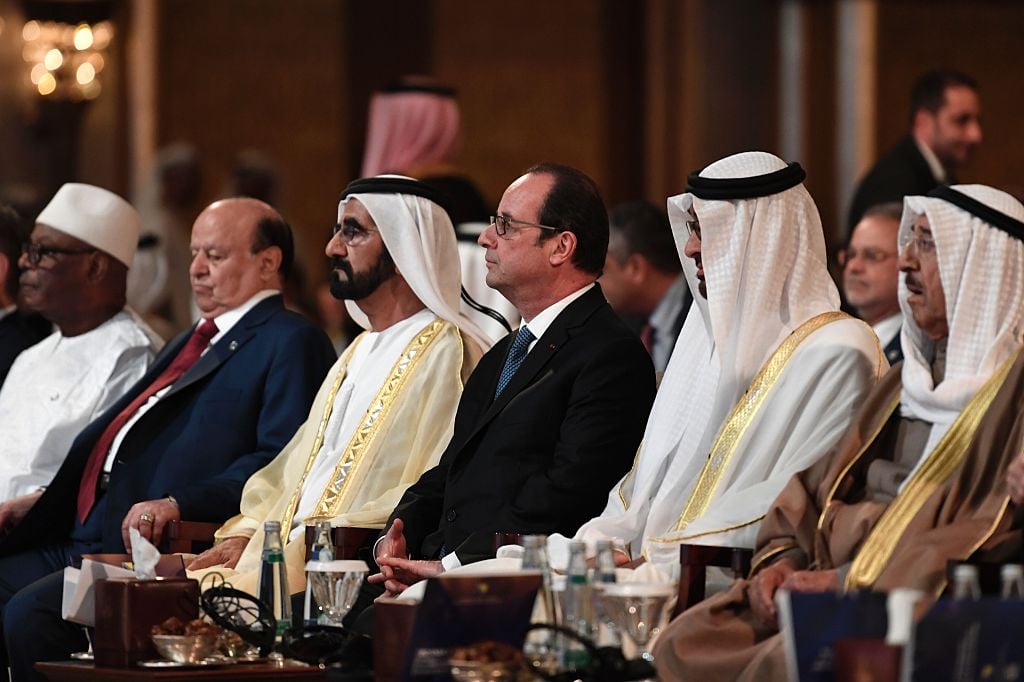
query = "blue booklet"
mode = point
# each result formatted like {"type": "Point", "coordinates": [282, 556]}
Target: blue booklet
{"type": "Point", "coordinates": [812, 623]}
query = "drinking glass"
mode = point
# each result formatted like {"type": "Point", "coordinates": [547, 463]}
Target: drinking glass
{"type": "Point", "coordinates": [639, 610]}
{"type": "Point", "coordinates": [335, 586]}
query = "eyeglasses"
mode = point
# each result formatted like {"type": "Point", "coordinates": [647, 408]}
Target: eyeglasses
{"type": "Point", "coordinates": [503, 222]}
{"type": "Point", "coordinates": [873, 256]}
{"type": "Point", "coordinates": [35, 253]}
{"type": "Point", "coordinates": [693, 227]}
{"type": "Point", "coordinates": [351, 234]}
{"type": "Point", "coordinates": [923, 243]}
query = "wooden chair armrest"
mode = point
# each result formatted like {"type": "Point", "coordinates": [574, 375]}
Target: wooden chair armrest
{"type": "Point", "coordinates": [184, 536]}
{"type": "Point", "coordinates": [693, 563]}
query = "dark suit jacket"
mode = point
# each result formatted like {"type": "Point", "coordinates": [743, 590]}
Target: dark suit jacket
{"type": "Point", "coordinates": [900, 172]}
{"type": "Point", "coordinates": [542, 457]}
{"type": "Point", "coordinates": [18, 331]}
{"type": "Point", "coordinates": [228, 416]}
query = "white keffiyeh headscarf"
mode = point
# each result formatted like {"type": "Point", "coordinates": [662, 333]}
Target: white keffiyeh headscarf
{"type": "Point", "coordinates": [982, 272]}
{"type": "Point", "coordinates": [765, 268]}
{"type": "Point", "coordinates": [418, 234]}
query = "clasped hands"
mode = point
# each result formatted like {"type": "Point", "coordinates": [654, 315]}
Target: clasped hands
{"type": "Point", "coordinates": [397, 571]}
{"type": "Point", "coordinates": [783, 575]}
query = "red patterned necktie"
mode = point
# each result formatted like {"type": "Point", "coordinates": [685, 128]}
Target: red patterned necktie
{"type": "Point", "coordinates": [647, 337]}
{"type": "Point", "coordinates": [187, 356]}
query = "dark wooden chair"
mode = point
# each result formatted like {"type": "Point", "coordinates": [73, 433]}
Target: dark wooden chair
{"type": "Point", "coordinates": [188, 537]}
{"type": "Point", "coordinates": [348, 540]}
{"type": "Point", "coordinates": [693, 563]}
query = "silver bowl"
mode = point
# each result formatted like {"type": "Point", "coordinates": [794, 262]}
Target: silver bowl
{"type": "Point", "coordinates": [185, 648]}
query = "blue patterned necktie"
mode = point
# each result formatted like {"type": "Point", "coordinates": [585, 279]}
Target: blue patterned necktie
{"type": "Point", "coordinates": [516, 355]}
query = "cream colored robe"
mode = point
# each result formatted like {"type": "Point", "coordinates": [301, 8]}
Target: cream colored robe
{"type": "Point", "coordinates": [402, 434]}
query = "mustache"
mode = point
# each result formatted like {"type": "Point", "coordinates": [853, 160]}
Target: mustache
{"type": "Point", "coordinates": [343, 265]}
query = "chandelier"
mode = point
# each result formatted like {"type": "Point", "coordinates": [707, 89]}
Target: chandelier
{"type": "Point", "coordinates": [64, 60]}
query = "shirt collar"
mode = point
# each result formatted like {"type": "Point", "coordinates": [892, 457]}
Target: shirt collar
{"type": "Point", "coordinates": [667, 311]}
{"type": "Point", "coordinates": [938, 172]}
{"type": "Point", "coordinates": [225, 321]}
{"type": "Point", "coordinates": [886, 329]}
{"type": "Point", "coordinates": [540, 323]}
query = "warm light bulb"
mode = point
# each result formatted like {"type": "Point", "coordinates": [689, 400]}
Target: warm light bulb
{"type": "Point", "coordinates": [30, 31]}
{"type": "Point", "coordinates": [85, 74]}
{"type": "Point", "coordinates": [47, 84]}
{"type": "Point", "coordinates": [96, 59]}
{"type": "Point", "coordinates": [101, 34]}
{"type": "Point", "coordinates": [53, 59]}
{"type": "Point", "coordinates": [38, 71]}
{"type": "Point", "coordinates": [83, 37]}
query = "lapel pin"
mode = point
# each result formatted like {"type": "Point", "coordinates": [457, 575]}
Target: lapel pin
{"type": "Point", "coordinates": [233, 345]}
{"type": "Point", "coordinates": [551, 346]}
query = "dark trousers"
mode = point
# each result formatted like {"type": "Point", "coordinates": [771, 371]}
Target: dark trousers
{"type": "Point", "coordinates": [31, 590]}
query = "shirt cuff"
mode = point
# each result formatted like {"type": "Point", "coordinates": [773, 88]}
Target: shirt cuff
{"type": "Point", "coordinates": [450, 561]}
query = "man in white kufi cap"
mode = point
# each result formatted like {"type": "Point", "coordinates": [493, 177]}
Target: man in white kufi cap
{"type": "Point", "coordinates": [764, 378]}
{"type": "Point", "coordinates": [74, 269]}
{"type": "Point", "coordinates": [921, 476]}
{"type": "Point", "coordinates": [385, 412]}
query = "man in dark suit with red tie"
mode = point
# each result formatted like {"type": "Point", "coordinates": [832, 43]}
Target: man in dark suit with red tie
{"type": "Point", "coordinates": [219, 403]}
{"type": "Point", "coordinates": [553, 414]}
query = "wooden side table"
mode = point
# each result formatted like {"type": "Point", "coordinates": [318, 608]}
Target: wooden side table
{"type": "Point", "coordinates": [81, 671]}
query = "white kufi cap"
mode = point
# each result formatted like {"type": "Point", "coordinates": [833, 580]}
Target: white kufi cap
{"type": "Point", "coordinates": [96, 216]}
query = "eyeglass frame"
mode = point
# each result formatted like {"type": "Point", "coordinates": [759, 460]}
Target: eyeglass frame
{"type": "Point", "coordinates": [693, 227]}
{"type": "Point", "coordinates": [34, 252]}
{"type": "Point", "coordinates": [501, 224]}
{"type": "Point", "coordinates": [357, 239]}
{"type": "Point", "coordinates": [922, 243]}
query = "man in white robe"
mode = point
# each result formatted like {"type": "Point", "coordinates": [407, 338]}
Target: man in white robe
{"type": "Point", "coordinates": [764, 378]}
{"type": "Point", "coordinates": [385, 412]}
{"type": "Point", "coordinates": [74, 269]}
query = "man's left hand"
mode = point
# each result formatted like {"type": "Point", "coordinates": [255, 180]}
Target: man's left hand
{"type": "Point", "coordinates": [811, 581]}
{"type": "Point", "coordinates": [150, 517]}
{"type": "Point", "coordinates": [398, 574]}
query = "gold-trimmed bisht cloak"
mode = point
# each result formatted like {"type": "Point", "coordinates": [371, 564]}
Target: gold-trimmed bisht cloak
{"type": "Point", "coordinates": [401, 435]}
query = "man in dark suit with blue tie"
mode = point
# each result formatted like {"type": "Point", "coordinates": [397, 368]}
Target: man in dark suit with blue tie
{"type": "Point", "coordinates": [219, 403]}
{"type": "Point", "coordinates": [553, 414]}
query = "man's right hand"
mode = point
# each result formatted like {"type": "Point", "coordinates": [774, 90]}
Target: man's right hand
{"type": "Point", "coordinates": [225, 553]}
{"type": "Point", "coordinates": [762, 587]}
{"type": "Point", "coordinates": [393, 542]}
{"type": "Point", "coordinates": [14, 510]}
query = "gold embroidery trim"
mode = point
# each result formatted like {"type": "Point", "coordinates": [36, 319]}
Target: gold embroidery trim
{"type": "Point", "coordinates": [889, 409]}
{"type": "Point", "coordinates": [293, 503]}
{"type": "Point", "coordinates": [632, 470]}
{"type": "Point", "coordinates": [742, 415]}
{"type": "Point", "coordinates": [770, 555]}
{"type": "Point", "coordinates": [937, 468]}
{"type": "Point", "coordinates": [684, 538]}
{"type": "Point", "coordinates": [349, 464]}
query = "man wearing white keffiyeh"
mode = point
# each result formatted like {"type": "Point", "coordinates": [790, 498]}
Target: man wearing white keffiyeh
{"type": "Point", "coordinates": [370, 432]}
{"type": "Point", "coordinates": [718, 449]}
{"type": "Point", "coordinates": [920, 478]}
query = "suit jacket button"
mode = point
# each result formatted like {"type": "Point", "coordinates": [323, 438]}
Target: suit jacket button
{"type": "Point", "coordinates": [451, 516]}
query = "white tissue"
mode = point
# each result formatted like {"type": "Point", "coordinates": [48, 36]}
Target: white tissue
{"type": "Point", "coordinates": [144, 556]}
